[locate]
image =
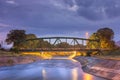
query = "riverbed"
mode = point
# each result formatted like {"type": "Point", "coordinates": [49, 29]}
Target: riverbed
{"type": "Point", "coordinates": [51, 69]}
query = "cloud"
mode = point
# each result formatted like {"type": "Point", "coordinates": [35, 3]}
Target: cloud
{"type": "Point", "coordinates": [3, 25]}
{"type": "Point", "coordinates": [113, 12]}
{"type": "Point", "coordinates": [11, 2]}
{"type": "Point", "coordinates": [90, 14]}
{"type": "Point", "coordinates": [89, 9]}
{"type": "Point", "coordinates": [92, 9]}
{"type": "Point", "coordinates": [54, 17]}
{"type": "Point", "coordinates": [73, 8]}
{"type": "Point", "coordinates": [99, 10]}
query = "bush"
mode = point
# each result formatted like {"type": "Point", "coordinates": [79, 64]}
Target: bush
{"type": "Point", "coordinates": [112, 52]}
{"type": "Point", "coordinates": [15, 50]}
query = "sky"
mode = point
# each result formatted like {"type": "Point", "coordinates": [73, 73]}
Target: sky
{"type": "Point", "coordinates": [59, 17]}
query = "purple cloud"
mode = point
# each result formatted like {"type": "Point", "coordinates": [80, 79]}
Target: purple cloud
{"type": "Point", "coordinates": [52, 17]}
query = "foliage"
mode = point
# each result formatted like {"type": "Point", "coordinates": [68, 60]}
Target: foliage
{"type": "Point", "coordinates": [93, 44]}
{"type": "Point", "coordinates": [15, 50]}
{"type": "Point", "coordinates": [62, 45]}
{"type": "Point", "coordinates": [44, 44]}
{"type": "Point", "coordinates": [15, 36]}
{"type": "Point", "coordinates": [105, 35]}
{"type": "Point", "coordinates": [30, 43]}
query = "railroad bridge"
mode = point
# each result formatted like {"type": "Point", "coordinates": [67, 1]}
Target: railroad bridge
{"type": "Point", "coordinates": [50, 44]}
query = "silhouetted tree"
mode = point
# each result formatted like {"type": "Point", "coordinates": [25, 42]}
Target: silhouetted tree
{"type": "Point", "coordinates": [106, 36]}
{"type": "Point", "coordinates": [105, 33]}
{"type": "Point", "coordinates": [16, 36]}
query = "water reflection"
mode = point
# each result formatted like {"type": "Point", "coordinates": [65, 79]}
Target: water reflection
{"type": "Point", "coordinates": [87, 77]}
{"type": "Point", "coordinates": [74, 74]}
{"type": "Point", "coordinates": [44, 74]}
{"type": "Point", "coordinates": [46, 70]}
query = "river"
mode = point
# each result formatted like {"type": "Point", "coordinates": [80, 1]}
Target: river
{"type": "Point", "coordinates": [52, 69]}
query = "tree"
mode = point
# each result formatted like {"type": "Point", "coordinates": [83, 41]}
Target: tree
{"type": "Point", "coordinates": [30, 43]}
{"type": "Point", "coordinates": [44, 44]}
{"type": "Point", "coordinates": [106, 36]}
{"type": "Point", "coordinates": [93, 44]}
{"type": "Point", "coordinates": [16, 36]}
{"type": "Point", "coordinates": [62, 45]}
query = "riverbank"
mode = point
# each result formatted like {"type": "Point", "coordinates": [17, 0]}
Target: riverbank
{"type": "Point", "coordinates": [13, 60]}
{"type": "Point", "coordinates": [99, 66]}
{"type": "Point", "coordinates": [106, 68]}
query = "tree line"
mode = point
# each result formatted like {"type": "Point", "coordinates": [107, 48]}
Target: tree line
{"type": "Point", "coordinates": [105, 35]}
{"type": "Point", "coordinates": [19, 38]}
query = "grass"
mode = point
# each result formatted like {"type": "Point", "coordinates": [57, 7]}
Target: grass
{"type": "Point", "coordinates": [114, 55]}
{"type": "Point", "coordinates": [9, 53]}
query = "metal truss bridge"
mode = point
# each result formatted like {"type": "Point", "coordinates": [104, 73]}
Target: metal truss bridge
{"type": "Point", "coordinates": [59, 44]}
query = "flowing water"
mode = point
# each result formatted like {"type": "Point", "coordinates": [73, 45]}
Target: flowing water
{"type": "Point", "coordinates": [53, 69]}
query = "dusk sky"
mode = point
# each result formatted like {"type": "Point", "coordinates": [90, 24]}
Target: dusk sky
{"type": "Point", "coordinates": [59, 17]}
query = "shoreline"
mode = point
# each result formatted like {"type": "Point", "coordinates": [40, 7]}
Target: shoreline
{"type": "Point", "coordinates": [105, 68]}
{"type": "Point", "coordinates": [108, 69]}
{"type": "Point", "coordinates": [14, 60]}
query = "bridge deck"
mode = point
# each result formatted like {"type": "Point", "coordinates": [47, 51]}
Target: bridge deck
{"type": "Point", "coordinates": [58, 49]}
